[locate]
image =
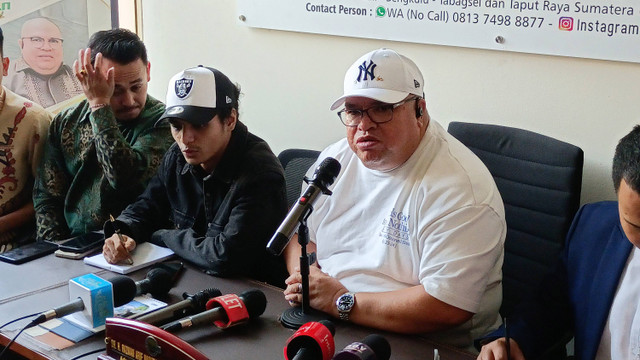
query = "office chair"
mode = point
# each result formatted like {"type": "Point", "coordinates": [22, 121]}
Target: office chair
{"type": "Point", "coordinates": [539, 179]}
{"type": "Point", "coordinates": [296, 162]}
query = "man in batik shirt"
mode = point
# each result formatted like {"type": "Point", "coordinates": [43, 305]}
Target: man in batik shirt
{"type": "Point", "coordinates": [100, 154]}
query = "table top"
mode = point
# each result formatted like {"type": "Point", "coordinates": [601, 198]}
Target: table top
{"type": "Point", "coordinates": [42, 284]}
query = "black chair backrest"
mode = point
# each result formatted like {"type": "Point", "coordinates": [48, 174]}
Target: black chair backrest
{"type": "Point", "coordinates": [539, 179]}
{"type": "Point", "coordinates": [296, 162]}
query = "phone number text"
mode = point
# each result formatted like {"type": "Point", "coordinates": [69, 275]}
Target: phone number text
{"type": "Point", "coordinates": [485, 19]}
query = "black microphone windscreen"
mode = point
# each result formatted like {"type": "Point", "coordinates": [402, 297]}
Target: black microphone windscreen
{"type": "Point", "coordinates": [379, 345]}
{"type": "Point", "coordinates": [199, 300]}
{"type": "Point", "coordinates": [159, 282]}
{"type": "Point", "coordinates": [255, 301]}
{"type": "Point", "coordinates": [124, 290]}
{"type": "Point", "coordinates": [327, 172]}
{"type": "Point", "coordinates": [329, 325]}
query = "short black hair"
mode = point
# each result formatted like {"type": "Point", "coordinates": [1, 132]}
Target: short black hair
{"type": "Point", "coordinates": [626, 161]}
{"type": "Point", "coordinates": [119, 45]}
{"type": "Point", "coordinates": [1, 43]}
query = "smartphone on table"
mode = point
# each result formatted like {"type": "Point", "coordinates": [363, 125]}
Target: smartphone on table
{"type": "Point", "coordinates": [28, 252]}
{"type": "Point", "coordinates": [83, 243]}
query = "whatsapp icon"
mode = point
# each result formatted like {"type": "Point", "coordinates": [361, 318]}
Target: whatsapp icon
{"type": "Point", "coordinates": [380, 11]}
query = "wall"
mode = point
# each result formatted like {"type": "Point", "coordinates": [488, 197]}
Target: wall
{"type": "Point", "coordinates": [289, 80]}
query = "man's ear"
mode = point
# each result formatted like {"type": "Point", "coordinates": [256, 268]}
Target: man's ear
{"type": "Point", "coordinates": [422, 115]}
{"type": "Point", "coordinates": [148, 71]}
{"type": "Point", "coordinates": [232, 120]}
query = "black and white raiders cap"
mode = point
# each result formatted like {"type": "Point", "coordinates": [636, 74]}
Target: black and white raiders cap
{"type": "Point", "coordinates": [196, 94]}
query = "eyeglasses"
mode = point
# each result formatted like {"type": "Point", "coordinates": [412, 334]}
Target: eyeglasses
{"type": "Point", "coordinates": [378, 114]}
{"type": "Point", "coordinates": [38, 42]}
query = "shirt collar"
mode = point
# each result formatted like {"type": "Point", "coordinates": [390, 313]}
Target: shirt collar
{"type": "Point", "coordinates": [232, 155]}
{"type": "Point", "coordinates": [21, 65]}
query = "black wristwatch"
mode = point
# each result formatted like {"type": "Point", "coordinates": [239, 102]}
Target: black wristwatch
{"type": "Point", "coordinates": [344, 304]}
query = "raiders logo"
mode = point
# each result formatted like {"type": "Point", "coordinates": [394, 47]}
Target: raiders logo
{"type": "Point", "coordinates": [183, 87]}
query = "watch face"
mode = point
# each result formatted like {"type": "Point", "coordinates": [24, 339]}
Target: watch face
{"type": "Point", "coordinates": [345, 302]}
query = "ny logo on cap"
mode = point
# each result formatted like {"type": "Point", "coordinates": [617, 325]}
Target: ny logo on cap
{"type": "Point", "coordinates": [183, 87]}
{"type": "Point", "coordinates": [367, 70]}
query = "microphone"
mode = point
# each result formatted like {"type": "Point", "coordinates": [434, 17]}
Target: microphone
{"type": "Point", "coordinates": [324, 175]}
{"type": "Point", "coordinates": [373, 347]}
{"type": "Point", "coordinates": [157, 283]}
{"type": "Point", "coordinates": [225, 311]}
{"type": "Point", "coordinates": [123, 291]}
{"type": "Point", "coordinates": [312, 341]}
{"type": "Point", "coordinates": [191, 304]}
{"type": "Point", "coordinates": [66, 309]}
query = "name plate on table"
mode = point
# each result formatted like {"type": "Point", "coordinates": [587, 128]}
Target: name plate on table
{"type": "Point", "coordinates": [133, 340]}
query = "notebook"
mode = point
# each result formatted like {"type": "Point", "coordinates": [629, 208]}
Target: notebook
{"type": "Point", "coordinates": [144, 255]}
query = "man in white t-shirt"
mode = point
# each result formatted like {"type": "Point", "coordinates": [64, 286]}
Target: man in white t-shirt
{"type": "Point", "coordinates": [412, 239]}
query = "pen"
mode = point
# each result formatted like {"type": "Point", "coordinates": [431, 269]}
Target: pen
{"type": "Point", "coordinates": [117, 230]}
{"type": "Point", "coordinates": [507, 343]}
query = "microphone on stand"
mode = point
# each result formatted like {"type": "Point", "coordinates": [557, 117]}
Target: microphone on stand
{"type": "Point", "coordinates": [324, 175]}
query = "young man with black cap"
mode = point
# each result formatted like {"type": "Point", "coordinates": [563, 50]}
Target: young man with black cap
{"type": "Point", "coordinates": [219, 194]}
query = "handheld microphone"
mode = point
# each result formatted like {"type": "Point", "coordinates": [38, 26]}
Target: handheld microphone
{"type": "Point", "coordinates": [312, 341]}
{"type": "Point", "coordinates": [225, 311]}
{"type": "Point", "coordinates": [157, 283]}
{"type": "Point", "coordinates": [373, 347]}
{"type": "Point", "coordinates": [324, 175]}
{"type": "Point", "coordinates": [191, 304]}
{"type": "Point", "coordinates": [66, 309]}
{"type": "Point", "coordinates": [122, 290]}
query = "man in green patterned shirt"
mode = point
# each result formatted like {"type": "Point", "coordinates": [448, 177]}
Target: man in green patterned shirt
{"type": "Point", "coordinates": [100, 154]}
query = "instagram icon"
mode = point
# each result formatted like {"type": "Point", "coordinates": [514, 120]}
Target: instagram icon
{"type": "Point", "coordinates": [565, 23]}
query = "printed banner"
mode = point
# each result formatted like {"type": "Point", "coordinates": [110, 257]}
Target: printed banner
{"type": "Point", "coordinates": [41, 41]}
{"type": "Point", "coordinates": [608, 30]}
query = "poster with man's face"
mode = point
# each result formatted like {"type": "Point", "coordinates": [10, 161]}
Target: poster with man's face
{"type": "Point", "coordinates": [41, 40]}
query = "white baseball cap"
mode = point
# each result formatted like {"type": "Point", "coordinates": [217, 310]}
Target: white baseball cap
{"type": "Point", "coordinates": [195, 95]}
{"type": "Point", "coordinates": [382, 75]}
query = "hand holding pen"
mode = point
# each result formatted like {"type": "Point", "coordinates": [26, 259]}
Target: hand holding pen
{"type": "Point", "coordinates": [502, 348]}
{"type": "Point", "coordinates": [128, 260]}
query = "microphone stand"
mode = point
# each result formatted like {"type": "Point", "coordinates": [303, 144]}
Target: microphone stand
{"type": "Point", "coordinates": [295, 317]}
